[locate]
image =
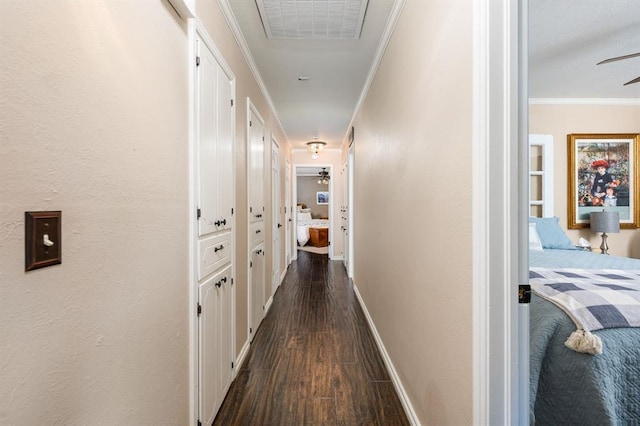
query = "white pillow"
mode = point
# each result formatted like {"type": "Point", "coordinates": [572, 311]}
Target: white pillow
{"type": "Point", "coordinates": [534, 239]}
{"type": "Point", "coordinates": [305, 210]}
{"type": "Point", "coordinates": [304, 216]}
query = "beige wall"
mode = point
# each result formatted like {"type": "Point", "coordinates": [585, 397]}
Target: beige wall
{"type": "Point", "coordinates": [561, 120]}
{"type": "Point", "coordinates": [307, 187]}
{"type": "Point", "coordinates": [94, 103]}
{"type": "Point", "coordinates": [94, 122]}
{"type": "Point", "coordinates": [413, 255]}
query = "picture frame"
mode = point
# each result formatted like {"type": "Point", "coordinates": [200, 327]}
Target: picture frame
{"type": "Point", "coordinates": [322, 198]}
{"type": "Point", "coordinates": [603, 175]}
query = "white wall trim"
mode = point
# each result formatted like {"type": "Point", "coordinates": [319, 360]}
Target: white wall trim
{"type": "Point", "coordinates": [480, 180]}
{"type": "Point", "coordinates": [584, 101]}
{"type": "Point", "coordinates": [193, 291]}
{"type": "Point", "coordinates": [241, 357]}
{"type": "Point", "coordinates": [396, 9]}
{"type": "Point", "coordinates": [268, 305]}
{"type": "Point", "coordinates": [495, 166]}
{"type": "Point", "coordinates": [397, 383]}
{"type": "Point", "coordinates": [248, 57]}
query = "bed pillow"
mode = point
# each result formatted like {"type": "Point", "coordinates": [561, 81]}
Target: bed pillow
{"type": "Point", "coordinates": [304, 216]}
{"type": "Point", "coordinates": [550, 233]}
{"type": "Point", "coordinates": [305, 210]}
{"type": "Point", "coordinates": [534, 238]}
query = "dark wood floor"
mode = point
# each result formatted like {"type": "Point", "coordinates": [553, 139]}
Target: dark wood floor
{"type": "Point", "coordinates": [314, 360]}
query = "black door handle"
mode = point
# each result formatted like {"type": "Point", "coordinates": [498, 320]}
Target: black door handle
{"type": "Point", "coordinates": [279, 226]}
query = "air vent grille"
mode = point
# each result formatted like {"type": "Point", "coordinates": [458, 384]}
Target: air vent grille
{"type": "Point", "coordinates": [312, 19]}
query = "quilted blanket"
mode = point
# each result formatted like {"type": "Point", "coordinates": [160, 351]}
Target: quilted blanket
{"type": "Point", "coordinates": [593, 299]}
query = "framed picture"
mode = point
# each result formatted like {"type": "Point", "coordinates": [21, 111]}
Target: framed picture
{"type": "Point", "coordinates": [603, 175]}
{"type": "Point", "coordinates": [322, 197]}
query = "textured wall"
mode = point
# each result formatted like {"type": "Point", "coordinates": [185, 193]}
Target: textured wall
{"type": "Point", "coordinates": [307, 188]}
{"type": "Point", "coordinates": [93, 122]}
{"type": "Point", "coordinates": [413, 256]}
{"type": "Point", "coordinates": [561, 120]}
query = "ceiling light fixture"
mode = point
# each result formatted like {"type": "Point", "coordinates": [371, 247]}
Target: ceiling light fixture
{"type": "Point", "coordinates": [324, 177]}
{"type": "Point", "coordinates": [315, 147]}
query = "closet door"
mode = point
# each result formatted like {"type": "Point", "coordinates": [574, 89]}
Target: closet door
{"type": "Point", "coordinates": [207, 139]}
{"type": "Point", "coordinates": [257, 289]}
{"type": "Point", "coordinates": [255, 179]}
{"type": "Point", "coordinates": [256, 165]}
{"type": "Point", "coordinates": [224, 160]}
{"type": "Point", "coordinates": [214, 355]}
{"type": "Point", "coordinates": [214, 236]}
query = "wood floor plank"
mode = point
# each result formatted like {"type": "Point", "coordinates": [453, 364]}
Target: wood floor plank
{"type": "Point", "coordinates": [313, 360]}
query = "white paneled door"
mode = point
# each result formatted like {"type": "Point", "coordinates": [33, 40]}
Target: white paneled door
{"type": "Point", "coordinates": [213, 237]}
{"type": "Point", "coordinates": [255, 191]}
{"type": "Point", "coordinates": [276, 219]}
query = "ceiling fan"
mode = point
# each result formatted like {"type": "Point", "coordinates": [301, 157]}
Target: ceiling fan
{"type": "Point", "coordinates": [619, 58]}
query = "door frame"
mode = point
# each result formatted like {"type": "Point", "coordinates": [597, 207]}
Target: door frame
{"type": "Point", "coordinates": [499, 165]}
{"type": "Point", "coordinates": [294, 238]}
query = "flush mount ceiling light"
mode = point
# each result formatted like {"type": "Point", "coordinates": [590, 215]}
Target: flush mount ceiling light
{"type": "Point", "coordinates": [315, 147]}
{"type": "Point", "coordinates": [312, 20]}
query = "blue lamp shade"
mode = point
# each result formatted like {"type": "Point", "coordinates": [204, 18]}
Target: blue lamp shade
{"type": "Point", "coordinates": [604, 221]}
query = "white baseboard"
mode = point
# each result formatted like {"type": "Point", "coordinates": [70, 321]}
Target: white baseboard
{"type": "Point", "coordinates": [268, 305]}
{"type": "Point", "coordinates": [402, 394]}
{"type": "Point", "coordinates": [240, 358]}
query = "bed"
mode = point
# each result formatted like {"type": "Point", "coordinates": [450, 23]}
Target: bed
{"type": "Point", "coordinates": [304, 222]}
{"type": "Point", "coordinates": [569, 387]}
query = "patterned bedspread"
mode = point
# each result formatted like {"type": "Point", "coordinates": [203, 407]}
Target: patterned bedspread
{"type": "Point", "coordinates": [594, 299]}
{"type": "Point", "coordinates": [573, 388]}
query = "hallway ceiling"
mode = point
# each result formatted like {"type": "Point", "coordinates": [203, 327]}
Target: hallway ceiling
{"type": "Point", "coordinates": [567, 39]}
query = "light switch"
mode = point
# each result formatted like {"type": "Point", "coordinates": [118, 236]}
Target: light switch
{"type": "Point", "coordinates": [43, 239]}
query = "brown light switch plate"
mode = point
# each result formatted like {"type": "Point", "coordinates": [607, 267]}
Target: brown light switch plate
{"type": "Point", "coordinates": [43, 239]}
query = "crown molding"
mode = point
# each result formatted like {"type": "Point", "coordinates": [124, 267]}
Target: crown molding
{"type": "Point", "coordinates": [248, 57]}
{"type": "Point", "coordinates": [384, 41]}
{"type": "Point", "coordinates": [584, 101]}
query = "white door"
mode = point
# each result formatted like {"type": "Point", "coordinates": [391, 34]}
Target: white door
{"type": "Point", "coordinates": [207, 138]}
{"type": "Point", "coordinates": [256, 243]}
{"type": "Point", "coordinates": [224, 152]}
{"type": "Point", "coordinates": [287, 212]}
{"type": "Point", "coordinates": [213, 235]}
{"type": "Point", "coordinates": [214, 355]}
{"type": "Point", "coordinates": [350, 211]}
{"type": "Point", "coordinates": [256, 265]}
{"type": "Point", "coordinates": [344, 218]}
{"type": "Point", "coordinates": [256, 164]}
{"type": "Point", "coordinates": [276, 216]}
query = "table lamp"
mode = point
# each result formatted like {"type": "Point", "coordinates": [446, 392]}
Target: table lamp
{"type": "Point", "coordinates": [604, 222]}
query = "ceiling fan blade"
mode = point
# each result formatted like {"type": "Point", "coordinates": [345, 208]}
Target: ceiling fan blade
{"type": "Point", "coordinates": [618, 58]}
{"type": "Point", "coordinates": [635, 80]}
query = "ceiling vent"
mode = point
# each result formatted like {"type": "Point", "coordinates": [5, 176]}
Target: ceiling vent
{"type": "Point", "coordinates": [312, 19]}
